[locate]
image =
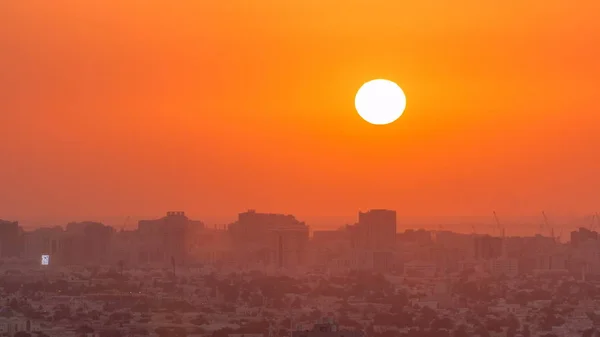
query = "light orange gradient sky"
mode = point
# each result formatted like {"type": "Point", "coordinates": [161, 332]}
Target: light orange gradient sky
{"type": "Point", "coordinates": [112, 107]}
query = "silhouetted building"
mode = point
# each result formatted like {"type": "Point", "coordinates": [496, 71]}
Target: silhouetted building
{"type": "Point", "coordinates": [420, 269]}
{"type": "Point", "coordinates": [582, 235]}
{"type": "Point", "coordinates": [504, 266]}
{"type": "Point", "coordinates": [375, 231]}
{"type": "Point", "coordinates": [552, 261]}
{"type": "Point", "coordinates": [383, 261]}
{"type": "Point", "coordinates": [166, 239]}
{"type": "Point", "coordinates": [125, 246]}
{"type": "Point", "coordinates": [328, 236]}
{"type": "Point", "coordinates": [85, 243]}
{"type": "Point", "coordinates": [10, 239]}
{"type": "Point", "coordinates": [418, 236]}
{"type": "Point", "coordinates": [328, 245]}
{"type": "Point", "coordinates": [213, 247]}
{"type": "Point", "coordinates": [252, 228]}
{"type": "Point", "coordinates": [44, 241]}
{"type": "Point", "coordinates": [289, 245]}
{"type": "Point", "coordinates": [253, 235]}
{"type": "Point", "coordinates": [488, 247]}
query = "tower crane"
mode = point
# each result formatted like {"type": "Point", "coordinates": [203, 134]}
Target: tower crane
{"type": "Point", "coordinates": [502, 233]}
{"type": "Point", "coordinates": [594, 217]}
{"type": "Point", "coordinates": [499, 227]}
{"type": "Point", "coordinates": [555, 238]}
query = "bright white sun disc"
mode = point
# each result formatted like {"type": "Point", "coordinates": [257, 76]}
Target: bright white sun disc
{"type": "Point", "coordinates": [380, 101]}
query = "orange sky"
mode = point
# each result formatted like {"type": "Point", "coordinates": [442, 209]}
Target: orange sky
{"type": "Point", "coordinates": [112, 107]}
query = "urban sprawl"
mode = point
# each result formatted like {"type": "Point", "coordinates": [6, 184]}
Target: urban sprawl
{"type": "Point", "coordinates": [269, 275]}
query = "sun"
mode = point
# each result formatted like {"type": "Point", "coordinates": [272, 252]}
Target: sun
{"type": "Point", "coordinates": [380, 101]}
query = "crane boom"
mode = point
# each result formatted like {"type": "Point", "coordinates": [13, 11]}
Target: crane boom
{"type": "Point", "coordinates": [594, 217]}
{"type": "Point", "coordinates": [547, 224]}
{"type": "Point", "coordinates": [498, 225]}
{"type": "Point", "coordinates": [545, 219]}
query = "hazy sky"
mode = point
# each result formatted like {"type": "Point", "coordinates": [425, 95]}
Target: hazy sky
{"type": "Point", "coordinates": [112, 107]}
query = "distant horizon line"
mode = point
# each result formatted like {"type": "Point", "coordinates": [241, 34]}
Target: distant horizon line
{"type": "Point", "coordinates": [459, 223]}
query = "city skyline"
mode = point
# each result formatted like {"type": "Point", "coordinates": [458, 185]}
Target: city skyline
{"type": "Point", "coordinates": [560, 226]}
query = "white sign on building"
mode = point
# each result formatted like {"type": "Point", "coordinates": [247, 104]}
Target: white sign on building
{"type": "Point", "coordinates": [45, 260]}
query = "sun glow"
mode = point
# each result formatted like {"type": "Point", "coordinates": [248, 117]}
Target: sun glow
{"type": "Point", "coordinates": [380, 102]}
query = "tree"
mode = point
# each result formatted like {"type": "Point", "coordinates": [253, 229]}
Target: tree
{"type": "Point", "coordinates": [111, 333]}
{"type": "Point", "coordinates": [482, 331]}
{"type": "Point", "coordinates": [222, 332]}
{"type": "Point", "coordinates": [14, 304]}
{"type": "Point", "coordinates": [84, 329]}
{"type": "Point", "coordinates": [442, 323]}
{"type": "Point", "coordinates": [526, 331]}
{"type": "Point", "coordinates": [22, 334]}
{"type": "Point", "coordinates": [199, 320]}
{"type": "Point", "coordinates": [513, 322]}
{"type": "Point", "coordinates": [461, 331]}
{"type": "Point", "coordinates": [170, 332]}
{"type": "Point", "coordinates": [440, 333]}
{"type": "Point", "coordinates": [428, 313]}
{"type": "Point", "coordinates": [61, 311]}
{"type": "Point", "coordinates": [588, 332]}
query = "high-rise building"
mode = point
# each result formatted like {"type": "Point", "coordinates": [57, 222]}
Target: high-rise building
{"type": "Point", "coordinates": [253, 235]}
{"type": "Point", "coordinates": [252, 227]}
{"type": "Point", "coordinates": [504, 266]}
{"type": "Point", "coordinates": [383, 261]}
{"type": "Point", "coordinates": [583, 235]}
{"type": "Point", "coordinates": [85, 243]}
{"type": "Point", "coordinates": [375, 230]}
{"type": "Point", "coordinates": [289, 246]}
{"type": "Point", "coordinates": [329, 245]}
{"type": "Point", "coordinates": [488, 247]}
{"type": "Point", "coordinates": [169, 238]}
{"type": "Point", "coordinates": [11, 243]}
{"type": "Point", "coordinates": [44, 241]}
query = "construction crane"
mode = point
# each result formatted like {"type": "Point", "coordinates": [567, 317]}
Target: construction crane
{"type": "Point", "coordinates": [499, 227]}
{"type": "Point", "coordinates": [546, 223]}
{"type": "Point", "coordinates": [502, 234]}
{"type": "Point", "coordinates": [593, 225]}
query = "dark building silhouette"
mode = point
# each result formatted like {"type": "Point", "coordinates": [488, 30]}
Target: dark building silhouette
{"type": "Point", "coordinates": [85, 243]}
{"type": "Point", "coordinates": [488, 247]}
{"type": "Point", "coordinates": [252, 228]}
{"type": "Point", "coordinates": [45, 241]}
{"type": "Point", "coordinates": [269, 238]}
{"type": "Point", "coordinates": [375, 231]}
{"type": "Point", "coordinates": [383, 261]}
{"type": "Point", "coordinates": [11, 243]}
{"type": "Point", "coordinates": [289, 246]}
{"type": "Point", "coordinates": [80, 243]}
{"type": "Point", "coordinates": [582, 235]}
{"type": "Point", "coordinates": [420, 236]}
{"type": "Point", "coordinates": [169, 237]}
